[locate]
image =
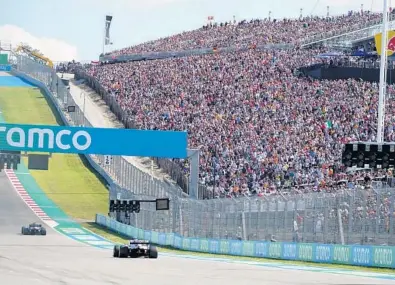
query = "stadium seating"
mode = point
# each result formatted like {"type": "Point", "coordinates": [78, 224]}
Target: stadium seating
{"type": "Point", "coordinates": [255, 32]}
{"type": "Point", "coordinates": [262, 128]}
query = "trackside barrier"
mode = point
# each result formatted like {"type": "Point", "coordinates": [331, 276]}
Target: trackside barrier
{"type": "Point", "coordinates": [5, 67]}
{"type": "Point", "coordinates": [52, 99]}
{"type": "Point", "coordinates": [358, 255]}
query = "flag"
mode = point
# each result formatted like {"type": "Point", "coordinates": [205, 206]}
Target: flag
{"type": "Point", "coordinates": [390, 43]}
{"type": "Point", "coordinates": [210, 18]}
{"type": "Point", "coordinates": [107, 40]}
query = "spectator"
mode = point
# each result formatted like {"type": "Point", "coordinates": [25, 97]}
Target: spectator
{"type": "Point", "coordinates": [261, 127]}
{"type": "Point", "coordinates": [257, 32]}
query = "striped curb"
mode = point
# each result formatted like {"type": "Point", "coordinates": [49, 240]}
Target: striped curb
{"type": "Point", "coordinates": [79, 234]}
{"type": "Point", "coordinates": [27, 199]}
{"type": "Point", "coordinates": [86, 236]}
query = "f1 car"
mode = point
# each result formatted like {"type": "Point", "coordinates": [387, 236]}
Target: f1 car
{"type": "Point", "coordinates": [136, 248]}
{"type": "Point", "coordinates": [34, 229]}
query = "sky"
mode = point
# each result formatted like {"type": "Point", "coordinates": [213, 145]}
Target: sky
{"type": "Point", "coordinates": [73, 29]}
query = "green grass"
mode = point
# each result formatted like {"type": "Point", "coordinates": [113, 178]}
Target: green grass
{"type": "Point", "coordinates": [71, 185]}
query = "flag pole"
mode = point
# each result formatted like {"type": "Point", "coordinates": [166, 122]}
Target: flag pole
{"type": "Point", "coordinates": [383, 72]}
{"type": "Point", "coordinates": [104, 35]}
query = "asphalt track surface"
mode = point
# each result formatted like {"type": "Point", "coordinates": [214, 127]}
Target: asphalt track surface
{"type": "Point", "coordinates": [57, 259]}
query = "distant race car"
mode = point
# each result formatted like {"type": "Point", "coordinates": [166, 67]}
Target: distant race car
{"type": "Point", "coordinates": [34, 229]}
{"type": "Point", "coordinates": [136, 248]}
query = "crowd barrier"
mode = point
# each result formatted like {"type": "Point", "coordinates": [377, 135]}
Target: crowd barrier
{"type": "Point", "coordinates": [184, 53]}
{"type": "Point", "coordinates": [358, 255]}
{"type": "Point", "coordinates": [54, 101]}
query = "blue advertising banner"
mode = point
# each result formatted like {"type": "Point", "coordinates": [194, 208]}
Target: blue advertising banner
{"type": "Point", "coordinates": [5, 67]}
{"type": "Point", "coordinates": [373, 256]}
{"type": "Point", "coordinates": [55, 139]}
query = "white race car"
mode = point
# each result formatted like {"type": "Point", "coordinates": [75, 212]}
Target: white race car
{"type": "Point", "coordinates": [136, 248]}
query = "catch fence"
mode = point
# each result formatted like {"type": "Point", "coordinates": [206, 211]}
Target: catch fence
{"type": "Point", "coordinates": [350, 216]}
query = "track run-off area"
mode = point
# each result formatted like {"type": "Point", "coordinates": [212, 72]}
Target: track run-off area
{"type": "Point", "coordinates": [58, 259]}
{"type": "Point", "coordinates": [61, 258]}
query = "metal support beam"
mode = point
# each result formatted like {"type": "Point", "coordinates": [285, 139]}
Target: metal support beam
{"type": "Point", "coordinates": [193, 155]}
{"type": "Point", "coordinates": [383, 76]}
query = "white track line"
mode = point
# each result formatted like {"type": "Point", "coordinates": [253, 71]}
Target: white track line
{"type": "Point", "coordinates": [17, 185]}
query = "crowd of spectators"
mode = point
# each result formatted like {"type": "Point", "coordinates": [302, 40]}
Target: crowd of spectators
{"type": "Point", "coordinates": [68, 67]}
{"type": "Point", "coordinates": [254, 32]}
{"type": "Point", "coordinates": [261, 128]}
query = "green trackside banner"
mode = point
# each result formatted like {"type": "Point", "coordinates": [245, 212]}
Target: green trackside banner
{"type": "Point", "coordinates": [3, 58]}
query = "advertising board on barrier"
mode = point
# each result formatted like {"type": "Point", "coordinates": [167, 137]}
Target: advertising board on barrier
{"type": "Point", "coordinates": [372, 256]}
{"type": "Point", "coordinates": [168, 144]}
{"type": "Point", "coordinates": [5, 67]}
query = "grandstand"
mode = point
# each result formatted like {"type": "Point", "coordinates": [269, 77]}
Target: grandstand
{"type": "Point", "coordinates": [220, 82]}
{"type": "Point", "coordinates": [245, 33]}
{"type": "Point", "coordinates": [265, 132]}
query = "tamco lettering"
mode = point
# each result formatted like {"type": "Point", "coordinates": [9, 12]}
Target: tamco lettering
{"type": "Point", "coordinates": [170, 239]}
{"type": "Point", "coordinates": [177, 241]}
{"type": "Point", "coordinates": [383, 256]}
{"type": "Point", "coordinates": [37, 138]}
{"type": "Point", "coordinates": [261, 249]}
{"type": "Point", "coordinates": [305, 252]}
{"type": "Point", "coordinates": [204, 245]}
{"type": "Point", "coordinates": [248, 248]}
{"type": "Point", "coordinates": [361, 255]}
{"type": "Point", "coordinates": [235, 247]}
{"type": "Point", "coordinates": [289, 251]}
{"type": "Point", "coordinates": [186, 243]}
{"type": "Point", "coordinates": [341, 254]}
{"type": "Point", "coordinates": [162, 238]}
{"type": "Point", "coordinates": [322, 253]}
{"type": "Point", "coordinates": [213, 246]}
{"type": "Point", "coordinates": [275, 250]}
{"type": "Point", "coordinates": [224, 246]}
{"type": "Point", "coordinates": [195, 244]}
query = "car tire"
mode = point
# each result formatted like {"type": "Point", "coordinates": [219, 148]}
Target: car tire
{"type": "Point", "coordinates": [43, 232]}
{"type": "Point", "coordinates": [23, 231]}
{"type": "Point", "coordinates": [116, 251]}
{"type": "Point", "coordinates": [153, 252]}
{"type": "Point", "coordinates": [123, 252]}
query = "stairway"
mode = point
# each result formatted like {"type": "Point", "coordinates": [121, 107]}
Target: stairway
{"type": "Point", "coordinates": [348, 38]}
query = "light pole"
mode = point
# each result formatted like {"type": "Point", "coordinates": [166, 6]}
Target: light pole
{"type": "Point", "coordinates": [383, 75]}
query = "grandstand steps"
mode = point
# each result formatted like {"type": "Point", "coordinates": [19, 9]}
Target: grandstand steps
{"type": "Point", "coordinates": [99, 115]}
{"type": "Point", "coordinates": [347, 39]}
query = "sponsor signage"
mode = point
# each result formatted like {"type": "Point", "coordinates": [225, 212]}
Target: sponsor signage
{"type": "Point", "coordinates": [5, 67]}
{"type": "Point", "coordinates": [83, 140]}
{"type": "Point", "coordinates": [361, 255]}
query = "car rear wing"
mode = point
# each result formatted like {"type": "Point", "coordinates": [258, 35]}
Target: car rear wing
{"type": "Point", "coordinates": [139, 242]}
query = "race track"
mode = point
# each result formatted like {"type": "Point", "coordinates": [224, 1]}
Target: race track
{"type": "Point", "coordinates": [57, 259]}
